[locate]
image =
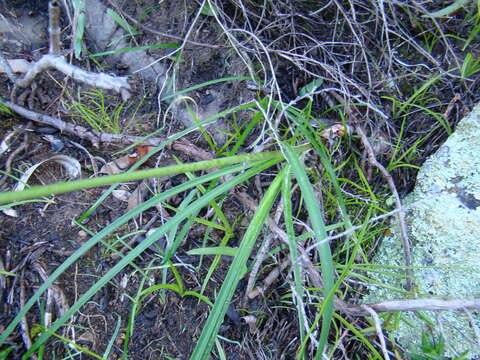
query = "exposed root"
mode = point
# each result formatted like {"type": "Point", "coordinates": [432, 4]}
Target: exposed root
{"type": "Point", "coordinates": [54, 60]}
{"type": "Point", "coordinates": [11, 158]}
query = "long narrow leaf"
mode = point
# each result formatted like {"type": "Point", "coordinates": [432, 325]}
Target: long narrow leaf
{"type": "Point", "coordinates": [198, 204]}
{"type": "Point", "coordinates": [105, 232]}
{"type": "Point", "coordinates": [64, 187]}
{"type": "Point", "coordinates": [292, 244]}
{"type": "Point", "coordinates": [209, 333]}
{"type": "Point", "coordinates": [318, 226]}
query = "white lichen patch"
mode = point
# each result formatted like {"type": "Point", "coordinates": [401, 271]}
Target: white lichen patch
{"type": "Point", "coordinates": [444, 229]}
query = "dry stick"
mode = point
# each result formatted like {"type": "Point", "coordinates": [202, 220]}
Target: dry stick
{"type": "Point", "coordinates": [401, 214]}
{"type": "Point", "coordinates": [94, 137]}
{"type": "Point", "coordinates": [256, 267]}
{"type": "Point", "coordinates": [425, 304]}
{"type": "Point", "coordinates": [56, 61]}
{"type": "Point", "coordinates": [378, 328]}
{"type": "Point", "coordinates": [271, 277]}
{"type": "Point", "coordinates": [391, 185]}
{"type": "Point", "coordinates": [99, 80]}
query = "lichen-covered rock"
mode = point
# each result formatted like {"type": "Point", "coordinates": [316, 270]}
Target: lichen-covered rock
{"type": "Point", "coordinates": [444, 229]}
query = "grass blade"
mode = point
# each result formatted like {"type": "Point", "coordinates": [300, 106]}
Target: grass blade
{"type": "Point", "coordinates": [196, 206]}
{"type": "Point", "coordinates": [106, 231]}
{"type": "Point", "coordinates": [209, 333]}
{"type": "Point", "coordinates": [292, 244]}
{"type": "Point", "coordinates": [318, 226]}
{"type": "Point", "coordinates": [68, 186]}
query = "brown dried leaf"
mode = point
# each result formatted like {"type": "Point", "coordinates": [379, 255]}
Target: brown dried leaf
{"type": "Point", "coordinates": [333, 132]}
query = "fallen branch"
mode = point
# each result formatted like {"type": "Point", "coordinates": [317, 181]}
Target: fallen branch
{"type": "Point", "coordinates": [58, 62]}
{"type": "Point", "coordinates": [54, 60]}
{"type": "Point", "coordinates": [425, 304]}
{"type": "Point", "coordinates": [95, 137]}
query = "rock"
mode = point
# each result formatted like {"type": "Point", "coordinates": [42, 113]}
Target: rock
{"type": "Point", "coordinates": [444, 230]}
{"type": "Point", "coordinates": [103, 30]}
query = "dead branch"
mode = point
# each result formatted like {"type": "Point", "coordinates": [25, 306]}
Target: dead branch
{"type": "Point", "coordinates": [94, 137]}
{"type": "Point", "coordinates": [425, 304]}
{"type": "Point", "coordinates": [54, 60]}
{"type": "Point", "coordinates": [268, 281]}
{"type": "Point", "coordinates": [256, 268]}
{"type": "Point", "coordinates": [58, 62]}
{"type": "Point", "coordinates": [77, 130]}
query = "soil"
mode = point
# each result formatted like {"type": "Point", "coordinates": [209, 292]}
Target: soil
{"type": "Point", "coordinates": [167, 326]}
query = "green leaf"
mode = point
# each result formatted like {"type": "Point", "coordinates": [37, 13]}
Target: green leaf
{"type": "Point", "coordinates": [448, 10]}
{"type": "Point", "coordinates": [68, 186]}
{"type": "Point", "coordinates": [219, 250]}
{"type": "Point", "coordinates": [7, 273]}
{"type": "Point", "coordinates": [208, 10]}
{"type": "Point", "coordinates": [121, 21]}
{"type": "Point", "coordinates": [215, 318]}
{"type": "Point", "coordinates": [318, 226]}
{"type": "Point", "coordinates": [310, 87]}
{"type": "Point", "coordinates": [134, 253]}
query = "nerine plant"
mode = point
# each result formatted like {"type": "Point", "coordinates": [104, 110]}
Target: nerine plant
{"type": "Point", "coordinates": [240, 169]}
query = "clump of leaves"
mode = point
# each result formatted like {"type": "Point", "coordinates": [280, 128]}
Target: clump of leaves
{"type": "Point", "coordinates": [96, 110]}
{"type": "Point", "coordinates": [433, 349]}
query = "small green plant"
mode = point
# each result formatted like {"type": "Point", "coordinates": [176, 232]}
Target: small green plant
{"type": "Point", "coordinates": [433, 349]}
{"type": "Point", "coordinates": [470, 66]}
{"type": "Point", "coordinates": [92, 107]}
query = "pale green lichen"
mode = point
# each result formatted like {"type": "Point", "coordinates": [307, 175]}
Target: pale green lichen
{"type": "Point", "coordinates": [444, 229]}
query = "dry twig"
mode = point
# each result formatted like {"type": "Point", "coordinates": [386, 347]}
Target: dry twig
{"type": "Point", "coordinates": [378, 328]}
{"type": "Point", "coordinates": [54, 60]}
{"type": "Point", "coordinates": [401, 213]}
{"type": "Point", "coordinates": [391, 185]}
